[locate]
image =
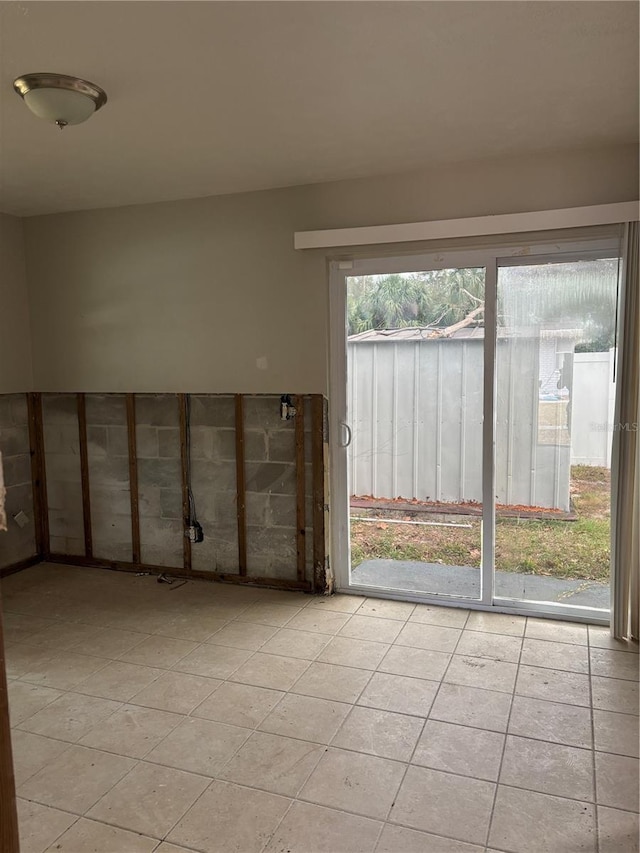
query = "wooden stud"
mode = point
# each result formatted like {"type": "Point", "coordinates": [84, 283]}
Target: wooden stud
{"type": "Point", "coordinates": [133, 477]}
{"type": "Point", "coordinates": [241, 508]}
{"type": "Point", "coordinates": [38, 475]}
{"type": "Point", "coordinates": [84, 475]}
{"type": "Point", "coordinates": [9, 842]}
{"type": "Point", "coordinates": [224, 577]}
{"type": "Point", "coordinates": [184, 458]}
{"type": "Point", "coordinates": [301, 523]}
{"type": "Point", "coordinates": [317, 468]}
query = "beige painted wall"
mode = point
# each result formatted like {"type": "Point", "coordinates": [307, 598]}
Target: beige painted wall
{"type": "Point", "coordinates": [208, 294]}
{"type": "Point", "coordinates": [15, 337]}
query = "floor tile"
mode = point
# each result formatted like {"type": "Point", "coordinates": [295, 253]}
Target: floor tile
{"type": "Point", "coordinates": [89, 836]}
{"type": "Point", "coordinates": [132, 730]}
{"type": "Point", "coordinates": [387, 609]}
{"type": "Point", "coordinates": [199, 746]}
{"type": "Point", "coordinates": [442, 803]}
{"type": "Point", "coordinates": [460, 749]}
{"type": "Point", "coordinates": [617, 781]}
{"type": "Point", "coordinates": [76, 779]}
{"type": "Point", "coordinates": [556, 631]}
{"type": "Point", "coordinates": [273, 671]}
{"type": "Point", "coordinates": [165, 847]}
{"type": "Point", "coordinates": [198, 626]}
{"type": "Point", "coordinates": [176, 692]}
{"type": "Point", "coordinates": [362, 654]}
{"type": "Point", "coordinates": [21, 659]}
{"type": "Point", "coordinates": [161, 652]}
{"type": "Point", "coordinates": [64, 671]}
{"type": "Point", "coordinates": [118, 680]}
{"type": "Point", "coordinates": [434, 637]}
{"type": "Point", "coordinates": [399, 693]}
{"type": "Point", "coordinates": [496, 623]}
{"type": "Point", "coordinates": [564, 656]}
{"type": "Point", "coordinates": [419, 663]}
{"type": "Point", "coordinates": [32, 752]}
{"type": "Point", "coordinates": [551, 721]}
{"type": "Point", "coordinates": [20, 626]}
{"type": "Point", "coordinates": [398, 839]}
{"type": "Point", "coordinates": [213, 661]}
{"type": "Point", "coordinates": [328, 681]}
{"type": "Point", "coordinates": [277, 764]}
{"type": "Point", "coordinates": [355, 782]}
{"type": "Point", "coordinates": [239, 704]}
{"type": "Point", "coordinates": [618, 831]}
{"type": "Point", "coordinates": [615, 694]}
{"type": "Point", "coordinates": [616, 732]}
{"type": "Point", "coordinates": [318, 620]}
{"type": "Point", "coordinates": [40, 826]}
{"type": "Point", "coordinates": [296, 644]}
{"type": "Point", "coordinates": [452, 617]}
{"type": "Point", "coordinates": [230, 819]}
{"type": "Point", "coordinates": [485, 645]}
{"type": "Point", "coordinates": [70, 717]}
{"type": "Point", "coordinates": [307, 827]}
{"type": "Point", "coordinates": [243, 635]}
{"type": "Point", "coordinates": [481, 672]}
{"type": "Point", "coordinates": [63, 636]}
{"type": "Point", "coordinates": [371, 628]}
{"type": "Point", "coordinates": [276, 615]}
{"type": "Point", "coordinates": [381, 733]}
{"type": "Point", "coordinates": [472, 706]}
{"type": "Point", "coordinates": [109, 643]}
{"type": "Point", "coordinates": [527, 822]}
{"type": "Point", "coordinates": [554, 685]}
{"type": "Point", "coordinates": [150, 799]}
{"type": "Point", "coordinates": [27, 699]}
{"type": "Point", "coordinates": [548, 768]}
{"type": "Point", "coordinates": [600, 637]}
{"type": "Point", "coordinates": [613, 664]}
{"type": "Point", "coordinates": [339, 603]}
{"type": "Point", "coordinates": [307, 718]}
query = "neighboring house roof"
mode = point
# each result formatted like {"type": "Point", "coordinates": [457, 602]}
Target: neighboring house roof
{"type": "Point", "coordinates": [425, 333]}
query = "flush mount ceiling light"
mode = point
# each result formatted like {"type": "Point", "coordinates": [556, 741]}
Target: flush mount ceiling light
{"type": "Point", "coordinates": [60, 99]}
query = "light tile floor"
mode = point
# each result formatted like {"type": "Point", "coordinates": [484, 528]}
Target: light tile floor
{"type": "Point", "coordinates": [220, 719]}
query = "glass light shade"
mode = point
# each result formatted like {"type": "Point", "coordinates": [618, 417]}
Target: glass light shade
{"type": "Point", "coordinates": [59, 105]}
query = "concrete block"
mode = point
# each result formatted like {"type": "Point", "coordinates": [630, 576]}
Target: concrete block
{"type": "Point", "coordinates": [62, 467]}
{"type": "Point", "coordinates": [109, 471]}
{"type": "Point", "coordinates": [282, 511]}
{"type": "Point", "coordinates": [67, 523]}
{"type": "Point", "coordinates": [255, 445]}
{"type": "Point", "coordinates": [213, 410]}
{"type": "Point", "coordinates": [61, 438]}
{"type": "Point", "coordinates": [108, 528]}
{"type": "Point", "coordinates": [218, 552]}
{"type": "Point", "coordinates": [272, 477]}
{"type": "Point", "coordinates": [59, 409]}
{"type": "Point", "coordinates": [214, 476]}
{"type": "Point", "coordinates": [97, 441]}
{"type": "Point", "coordinates": [62, 495]}
{"type": "Point", "coordinates": [17, 470]}
{"type": "Point", "coordinates": [161, 542]}
{"type": "Point", "coordinates": [263, 412]}
{"type": "Point", "coordinates": [19, 497]}
{"type": "Point", "coordinates": [202, 443]}
{"type": "Point", "coordinates": [169, 442]}
{"type": "Point", "coordinates": [166, 473]}
{"type": "Point", "coordinates": [282, 445]}
{"type": "Point", "coordinates": [110, 501]}
{"type": "Point", "coordinates": [157, 410]}
{"type": "Point", "coordinates": [149, 501]}
{"type": "Point", "coordinates": [257, 505]}
{"type": "Point", "coordinates": [6, 413]}
{"type": "Point", "coordinates": [106, 409]}
{"type": "Point", "coordinates": [271, 552]}
{"type": "Point", "coordinates": [224, 443]}
{"type": "Point", "coordinates": [14, 440]}
{"type": "Point", "coordinates": [118, 441]}
{"type": "Point", "coordinates": [146, 442]}
{"type": "Point", "coordinates": [19, 409]}
{"type": "Point", "coordinates": [171, 503]}
{"type": "Point", "coordinates": [120, 552]}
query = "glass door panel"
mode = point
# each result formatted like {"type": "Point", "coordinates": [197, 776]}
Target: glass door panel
{"type": "Point", "coordinates": [554, 403]}
{"type": "Point", "coordinates": [415, 364]}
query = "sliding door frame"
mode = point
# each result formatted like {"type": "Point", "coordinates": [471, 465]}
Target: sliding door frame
{"type": "Point", "coordinates": [491, 258]}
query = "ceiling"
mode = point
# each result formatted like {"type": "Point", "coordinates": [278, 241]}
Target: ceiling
{"type": "Point", "coordinates": [208, 98]}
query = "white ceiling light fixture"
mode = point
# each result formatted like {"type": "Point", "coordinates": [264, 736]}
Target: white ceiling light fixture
{"type": "Point", "coordinates": [60, 99]}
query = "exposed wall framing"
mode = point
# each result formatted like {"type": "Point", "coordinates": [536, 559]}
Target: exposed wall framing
{"type": "Point", "coordinates": [119, 473]}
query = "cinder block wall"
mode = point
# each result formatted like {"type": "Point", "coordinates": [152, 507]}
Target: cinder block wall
{"type": "Point", "coordinates": [17, 544]}
{"type": "Point", "coordinates": [269, 468]}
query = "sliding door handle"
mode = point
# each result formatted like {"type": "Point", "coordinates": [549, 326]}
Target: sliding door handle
{"type": "Point", "coordinates": [347, 429]}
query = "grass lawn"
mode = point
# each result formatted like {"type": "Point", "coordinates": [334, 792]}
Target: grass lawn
{"type": "Point", "coordinates": [563, 549]}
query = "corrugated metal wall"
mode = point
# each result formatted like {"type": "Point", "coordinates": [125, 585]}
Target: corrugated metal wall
{"type": "Point", "coordinates": [415, 408]}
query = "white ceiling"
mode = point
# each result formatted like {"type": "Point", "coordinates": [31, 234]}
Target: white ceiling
{"type": "Point", "coordinates": [208, 98]}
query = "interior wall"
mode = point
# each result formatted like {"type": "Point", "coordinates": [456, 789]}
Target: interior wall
{"type": "Point", "coordinates": [209, 296]}
{"type": "Point", "coordinates": [18, 543]}
{"type": "Point", "coordinates": [16, 374]}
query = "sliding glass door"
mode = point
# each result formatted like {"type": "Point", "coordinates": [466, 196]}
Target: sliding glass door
{"type": "Point", "coordinates": [471, 422]}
